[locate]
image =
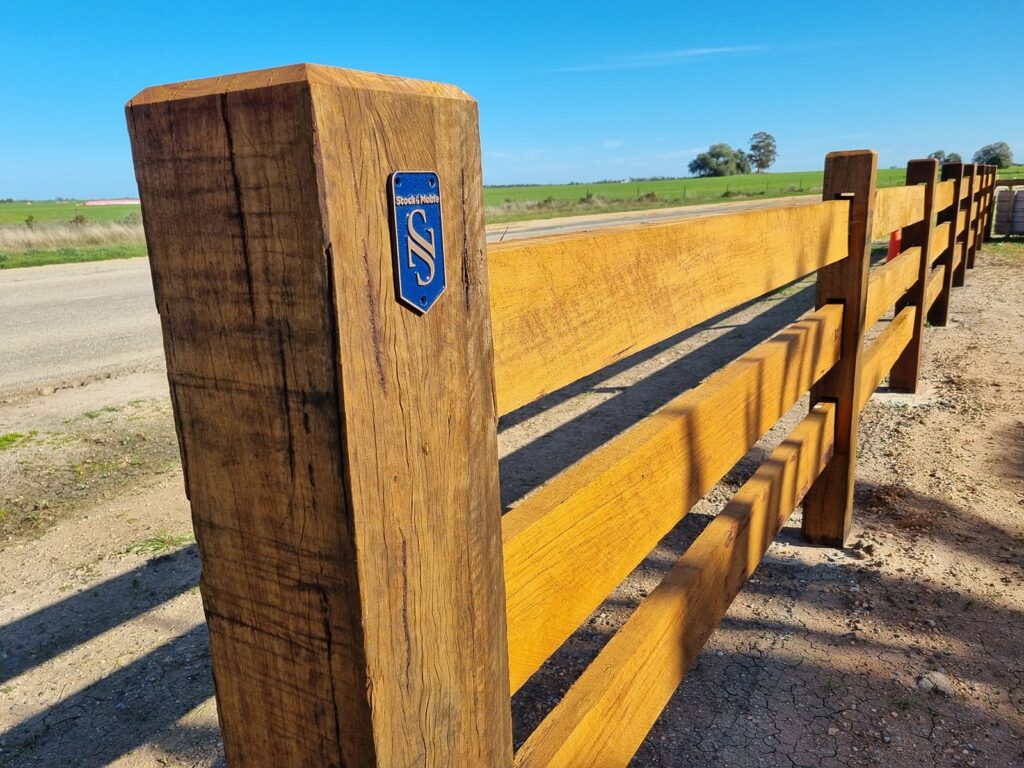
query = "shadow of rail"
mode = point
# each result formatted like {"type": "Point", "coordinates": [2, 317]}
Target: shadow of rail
{"type": "Point", "coordinates": [532, 464]}
{"type": "Point", "coordinates": [118, 713]}
{"type": "Point", "coordinates": [34, 639]}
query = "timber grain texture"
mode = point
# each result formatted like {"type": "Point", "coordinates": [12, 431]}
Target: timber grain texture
{"type": "Point", "coordinates": [828, 507]}
{"type": "Point", "coordinates": [339, 450]}
{"type": "Point", "coordinates": [934, 287]}
{"type": "Point", "coordinates": [965, 225]}
{"type": "Point", "coordinates": [564, 306]}
{"type": "Point", "coordinates": [895, 208]}
{"type": "Point", "coordinates": [945, 193]}
{"type": "Point", "coordinates": [946, 244]}
{"type": "Point", "coordinates": [573, 540]}
{"type": "Point", "coordinates": [905, 374]}
{"type": "Point", "coordinates": [939, 241]}
{"type": "Point", "coordinates": [889, 282]}
{"type": "Point", "coordinates": [606, 714]}
{"type": "Point", "coordinates": [883, 352]}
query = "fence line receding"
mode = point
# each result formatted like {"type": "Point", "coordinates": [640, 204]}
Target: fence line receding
{"type": "Point", "coordinates": [367, 602]}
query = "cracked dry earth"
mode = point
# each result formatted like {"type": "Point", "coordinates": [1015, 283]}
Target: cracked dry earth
{"type": "Point", "coordinates": [905, 649]}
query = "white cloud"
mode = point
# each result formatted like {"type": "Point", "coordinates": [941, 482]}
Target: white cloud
{"type": "Point", "coordinates": [657, 58]}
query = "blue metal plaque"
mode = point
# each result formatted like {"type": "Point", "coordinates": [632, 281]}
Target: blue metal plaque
{"type": "Point", "coordinates": [418, 241]}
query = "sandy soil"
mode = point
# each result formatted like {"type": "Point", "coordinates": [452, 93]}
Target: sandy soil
{"type": "Point", "coordinates": [907, 648]}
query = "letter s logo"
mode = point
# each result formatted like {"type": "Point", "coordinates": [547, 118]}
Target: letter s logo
{"type": "Point", "coordinates": [419, 245]}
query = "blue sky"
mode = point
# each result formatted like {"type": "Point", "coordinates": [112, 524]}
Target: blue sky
{"type": "Point", "coordinates": [567, 91]}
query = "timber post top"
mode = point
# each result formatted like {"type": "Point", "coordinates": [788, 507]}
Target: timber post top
{"type": "Point", "coordinates": [317, 74]}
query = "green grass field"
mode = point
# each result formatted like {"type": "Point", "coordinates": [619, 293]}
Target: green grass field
{"type": "Point", "coordinates": [665, 192]}
{"type": "Point", "coordinates": [771, 184]}
{"type": "Point", "coordinates": [502, 204]}
{"type": "Point", "coordinates": [51, 211]}
{"type": "Point", "coordinates": [39, 258]}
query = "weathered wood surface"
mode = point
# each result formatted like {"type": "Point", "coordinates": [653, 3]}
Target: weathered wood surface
{"type": "Point", "coordinates": [339, 451]}
{"type": "Point", "coordinates": [939, 241]}
{"type": "Point", "coordinates": [570, 543]}
{"type": "Point", "coordinates": [564, 306]}
{"type": "Point", "coordinates": [906, 370]}
{"type": "Point", "coordinates": [966, 228]}
{"type": "Point", "coordinates": [934, 288]}
{"type": "Point", "coordinates": [945, 250]}
{"type": "Point", "coordinates": [977, 213]}
{"type": "Point", "coordinates": [829, 503]}
{"type": "Point", "coordinates": [883, 352]}
{"type": "Point", "coordinates": [889, 282]}
{"type": "Point", "coordinates": [985, 200]}
{"type": "Point", "coordinates": [606, 714]}
{"type": "Point", "coordinates": [896, 208]}
{"type": "Point", "coordinates": [986, 206]}
{"type": "Point", "coordinates": [989, 202]}
{"type": "Point", "coordinates": [945, 194]}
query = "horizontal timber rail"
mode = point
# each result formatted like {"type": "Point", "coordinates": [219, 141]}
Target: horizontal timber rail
{"type": "Point", "coordinates": [895, 208]}
{"type": "Point", "coordinates": [549, 330]}
{"type": "Point", "coordinates": [606, 714]}
{"type": "Point", "coordinates": [340, 346]}
{"type": "Point", "coordinates": [569, 544]}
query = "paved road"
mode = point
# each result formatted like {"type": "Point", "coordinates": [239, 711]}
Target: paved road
{"type": "Point", "coordinates": [74, 323]}
{"type": "Point", "coordinates": [67, 324]}
{"type": "Point", "coordinates": [496, 232]}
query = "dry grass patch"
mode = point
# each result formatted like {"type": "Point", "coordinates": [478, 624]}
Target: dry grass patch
{"type": "Point", "coordinates": [48, 237]}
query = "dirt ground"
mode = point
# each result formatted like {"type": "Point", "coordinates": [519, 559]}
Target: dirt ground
{"type": "Point", "coordinates": [907, 648]}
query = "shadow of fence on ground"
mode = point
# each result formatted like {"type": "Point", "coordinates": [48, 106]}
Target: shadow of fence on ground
{"type": "Point", "coordinates": [45, 634]}
{"type": "Point", "coordinates": [531, 465]}
{"type": "Point", "coordinates": [141, 702]}
{"type": "Point", "coordinates": [122, 711]}
{"type": "Point", "coordinates": [898, 605]}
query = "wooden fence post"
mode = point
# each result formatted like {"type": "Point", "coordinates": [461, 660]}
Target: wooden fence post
{"type": "Point", "coordinates": [828, 506]}
{"type": "Point", "coordinates": [905, 372]}
{"type": "Point", "coordinates": [339, 449]}
{"type": "Point", "coordinates": [967, 205]}
{"type": "Point", "coordinates": [938, 315]}
{"type": "Point", "coordinates": [986, 206]}
{"type": "Point", "coordinates": [990, 213]}
{"type": "Point", "coordinates": [977, 205]}
{"type": "Point", "coordinates": [991, 203]}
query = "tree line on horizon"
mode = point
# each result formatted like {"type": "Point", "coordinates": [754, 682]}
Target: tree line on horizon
{"type": "Point", "coordinates": [998, 154]}
{"type": "Point", "coordinates": [722, 160]}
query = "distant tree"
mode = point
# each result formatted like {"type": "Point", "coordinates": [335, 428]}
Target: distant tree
{"type": "Point", "coordinates": [943, 158]}
{"type": "Point", "coordinates": [742, 162]}
{"type": "Point", "coordinates": [762, 152]}
{"type": "Point", "coordinates": [720, 160]}
{"type": "Point", "coordinates": [997, 154]}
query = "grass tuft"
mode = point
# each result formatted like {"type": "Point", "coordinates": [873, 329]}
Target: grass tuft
{"type": "Point", "coordinates": [14, 260]}
{"type": "Point", "coordinates": [11, 439]}
{"type": "Point", "coordinates": [49, 237]}
{"type": "Point", "coordinates": [162, 542]}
